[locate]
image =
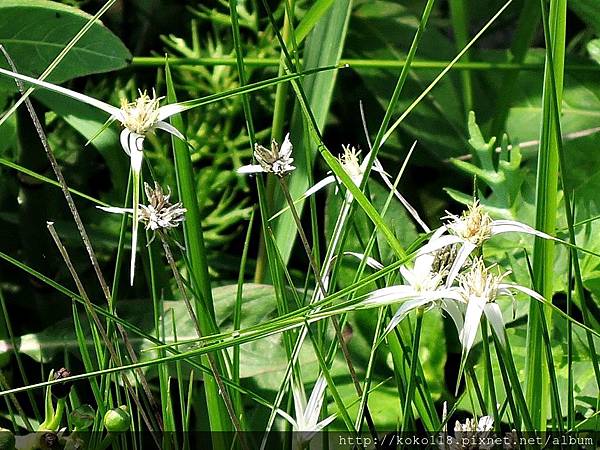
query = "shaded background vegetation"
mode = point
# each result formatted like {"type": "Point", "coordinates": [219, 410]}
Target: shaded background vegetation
{"type": "Point", "coordinates": [506, 100]}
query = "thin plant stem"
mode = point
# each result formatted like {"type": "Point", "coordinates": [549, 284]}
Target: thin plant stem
{"type": "Point", "coordinates": [489, 373]}
{"type": "Point", "coordinates": [536, 365]}
{"type": "Point", "coordinates": [80, 227]}
{"type": "Point", "coordinates": [323, 289]}
{"type": "Point", "coordinates": [569, 213]}
{"type": "Point", "coordinates": [375, 64]}
{"type": "Point", "coordinates": [61, 180]}
{"type": "Point", "coordinates": [211, 360]}
{"type": "Point", "coordinates": [412, 379]}
{"type": "Point", "coordinates": [441, 75]}
{"type": "Point", "coordinates": [99, 327]}
{"type": "Point", "coordinates": [5, 386]}
{"type": "Point", "coordinates": [13, 343]}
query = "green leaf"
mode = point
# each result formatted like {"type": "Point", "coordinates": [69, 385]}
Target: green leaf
{"type": "Point", "coordinates": [396, 217]}
{"type": "Point", "coordinates": [381, 30]}
{"type": "Point", "coordinates": [587, 10]}
{"type": "Point", "coordinates": [35, 31]}
{"type": "Point", "coordinates": [264, 359]}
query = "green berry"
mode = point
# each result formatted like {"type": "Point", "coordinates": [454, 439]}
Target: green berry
{"type": "Point", "coordinates": [117, 420]}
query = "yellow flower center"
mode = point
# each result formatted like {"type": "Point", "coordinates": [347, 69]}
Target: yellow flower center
{"type": "Point", "coordinates": [350, 163]}
{"type": "Point", "coordinates": [474, 226]}
{"type": "Point", "coordinates": [141, 115]}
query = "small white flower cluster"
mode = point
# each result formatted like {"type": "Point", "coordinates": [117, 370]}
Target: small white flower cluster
{"type": "Point", "coordinates": [472, 434]}
{"type": "Point", "coordinates": [159, 214]}
{"type": "Point", "coordinates": [445, 274]}
{"type": "Point", "coordinates": [276, 160]}
{"type": "Point", "coordinates": [141, 115]}
{"type": "Point", "coordinates": [138, 118]}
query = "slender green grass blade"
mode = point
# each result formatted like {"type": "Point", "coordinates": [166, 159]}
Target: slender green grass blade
{"type": "Point", "coordinates": [323, 47]}
{"type": "Point", "coordinates": [194, 244]}
{"type": "Point", "coordinates": [536, 368]}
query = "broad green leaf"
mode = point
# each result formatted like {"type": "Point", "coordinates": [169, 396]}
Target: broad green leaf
{"type": "Point", "coordinates": [35, 31]}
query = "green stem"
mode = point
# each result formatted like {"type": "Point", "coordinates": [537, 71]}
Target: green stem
{"type": "Point", "coordinates": [196, 251]}
{"type": "Point", "coordinates": [323, 289]}
{"type": "Point", "coordinates": [412, 379]}
{"type": "Point", "coordinates": [536, 368]}
{"type": "Point", "coordinates": [493, 406]}
{"type": "Point", "coordinates": [459, 14]}
{"type": "Point", "coordinates": [151, 61]}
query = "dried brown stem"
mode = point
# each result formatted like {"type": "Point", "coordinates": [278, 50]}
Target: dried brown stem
{"type": "Point", "coordinates": [91, 312]}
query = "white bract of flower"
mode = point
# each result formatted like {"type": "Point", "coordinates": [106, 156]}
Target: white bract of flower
{"type": "Point", "coordinates": [350, 162]}
{"type": "Point", "coordinates": [424, 288]}
{"type": "Point", "coordinates": [306, 423]}
{"type": "Point", "coordinates": [470, 231]}
{"type": "Point", "coordinates": [355, 169]}
{"type": "Point", "coordinates": [159, 214]}
{"type": "Point", "coordinates": [479, 289]}
{"type": "Point", "coordinates": [276, 160]}
{"type": "Point", "coordinates": [138, 118]}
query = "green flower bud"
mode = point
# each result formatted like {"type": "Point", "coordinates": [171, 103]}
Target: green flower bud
{"type": "Point", "coordinates": [7, 439]}
{"type": "Point", "coordinates": [117, 419]}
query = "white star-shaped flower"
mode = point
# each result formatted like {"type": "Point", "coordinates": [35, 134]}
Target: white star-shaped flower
{"type": "Point", "coordinates": [276, 160]}
{"type": "Point", "coordinates": [138, 118]}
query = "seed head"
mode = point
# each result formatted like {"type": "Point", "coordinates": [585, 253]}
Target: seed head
{"type": "Point", "coordinates": [62, 390]}
{"type": "Point", "coordinates": [141, 115]}
{"type": "Point", "coordinates": [277, 160]}
{"type": "Point", "coordinates": [479, 282]}
{"type": "Point", "coordinates": [474, 225]}
{"type": "Point", "coordinates": [160, 214]}
{"type": "Point", "coordinates": [351, 164]}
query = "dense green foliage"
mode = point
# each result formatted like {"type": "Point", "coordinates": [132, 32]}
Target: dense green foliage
{"type": "Point", "coordinates": [512, 122]}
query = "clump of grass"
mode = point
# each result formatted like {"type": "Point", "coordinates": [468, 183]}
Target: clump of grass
{"type": "Point", "coordinates": [361, 303]}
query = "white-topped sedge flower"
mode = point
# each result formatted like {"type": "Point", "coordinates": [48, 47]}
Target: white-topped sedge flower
{"type": "Point", "coordinates": [478, 290]}
{"type": "Point", "coordinates": [159, 214]}
{"type": "Point", "coordinates": [469, 231]}
{"type": "Point", "coordinates": [468, 435]}
{"type": "Point", "coordinates": [138, 118]}
{"type": "Point", "coordinates": [423, 287]}
{"type": "Point", "coordinates": [276, 160]}
{"type": "Point", "coordinates": [352, 165]}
